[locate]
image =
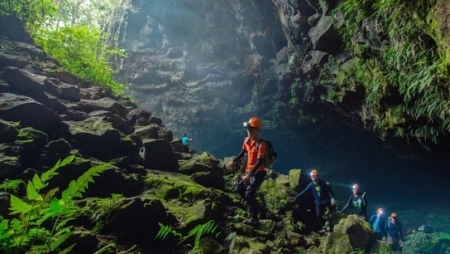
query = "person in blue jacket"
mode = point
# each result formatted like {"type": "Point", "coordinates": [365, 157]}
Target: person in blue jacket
{"type": "Point", "coordinates": [185, 140]}
{"type": "Point", "coordinates": [323, 197]}
{"type": "Point", "coordinates": [378, 223]}
{"type": "Point", "coordinates": [359, 203]}
{"type": "Point", "coordinates": [394, 233]}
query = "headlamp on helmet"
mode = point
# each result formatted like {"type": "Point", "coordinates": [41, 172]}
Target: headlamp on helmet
{"type": "Point", "coordinates": [254, 122]}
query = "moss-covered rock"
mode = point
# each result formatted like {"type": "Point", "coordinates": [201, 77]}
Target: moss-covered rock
{"type": "Point", "coordinates": [8, 131]}
{"type": "Point", "coordinates": [204, 162]}
{"type": "Point", "coordinates": [358, 231]}
{"type": "Point", "coordinates": [336, 243]}
{"type": "Point", "coordinates": [95, 137]}
{"type": "Point", "coordinates": [9, 166]}
{"type": "Point", "coordinates": [210, 246]}
{"type": "Point", "coordinates": [276, 195]}
{"type": "Point", "coordinates": [294, 177]}
{"type": "Point", "coordinates": [31, 140]}
{"type": "Point", "coordinates": [168, 185]}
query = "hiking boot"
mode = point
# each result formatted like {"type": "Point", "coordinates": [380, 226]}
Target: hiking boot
{"type": "Point", "coordinates": [251, 221]}
{"type": "Point", "coordinates": [322, 231]}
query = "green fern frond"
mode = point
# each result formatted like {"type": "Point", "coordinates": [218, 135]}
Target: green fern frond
{"type": "Point", "coordinates": [18, 206]}
{"type": "Point", "coordinates": [67, 250]}
{"type": "Point", "coordinates": [50, 194]}
{"type": "Point", "coordinates": [163, 232]}
{"type": "Point", "coordinates": [32, 193]}
{"type": "Point", "coordinates": [59, 240]}
{"type": "Point", "coordinates": [11, 186]}
{"type": "Point", "coordinates": [106, 248]}
{"type": "Point", "coordinates": [78, 187]}
{"type": "Point", "coordinates": [47, 175]}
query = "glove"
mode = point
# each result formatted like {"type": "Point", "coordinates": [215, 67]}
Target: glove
{"type": "Point", "coordinates": [400, 243]}
{"type": "Point", "coordinates": [339, 212]}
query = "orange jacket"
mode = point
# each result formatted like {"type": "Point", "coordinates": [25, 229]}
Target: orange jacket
{"type": "Point", "coordinates": [249, 146]}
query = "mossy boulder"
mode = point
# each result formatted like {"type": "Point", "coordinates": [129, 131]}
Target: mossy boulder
{"type": "Point", "coordinates": [204, 162]}
{"type": "Point", "coordinates": [205, 170]}
{"type": "Point", "coordinates": [9, 166]}
{"type": "Point", "coordinates": [8, 131]}
{"type": "Point", "coordinates": [136, 219]}
{"type": "Point", "coordinates": [294, 177]}
{"type": "Point", "coordinates": [31, 143]}
{"type": "Point", "coordinates": [154, 131]}
{"type": "Point", "coordinates": [97, 138]}
{"type": "Point", "coordinates": [158, 154]}
{"type": "Point", "coordinates": [191, 215]}
{"type": "Point", "coordinates": [276, 195]}
{"type": "Point", "coordinates": [54, 151]}
{"type": "Point", "coordinates": [168, 185]}
{"type": "Point", "coordinates": [335, 243]}
{"type": "Point", "coordinates": [210, 246]}
{"type": "Point", "coordinates": [358, 231]}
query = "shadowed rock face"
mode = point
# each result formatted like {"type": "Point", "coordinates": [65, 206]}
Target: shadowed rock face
{"type": "Point", "coordinates": [196, 62]}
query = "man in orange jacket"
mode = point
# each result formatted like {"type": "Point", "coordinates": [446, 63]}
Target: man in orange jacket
{"type": "Point", "coordinates": [256, 149]}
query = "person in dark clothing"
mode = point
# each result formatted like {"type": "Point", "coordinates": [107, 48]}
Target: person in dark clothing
{"type": "Point", "coordinates": [323, 197]}
{"type": "Point", "coordinates": [394, 233]}
{"type": "Point", "coordinates": [359, 203]}
{"type": "Point", "coordinates": [255, 171]}
{"type": "Point", "coordinates": [378, 224]}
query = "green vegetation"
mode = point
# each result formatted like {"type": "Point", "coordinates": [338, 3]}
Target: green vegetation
{"type": "Point", "coordinates": [406, 75]}
{"type": "Point", "coordinates": [42, 220]}
{"type": "Point", "coordinates": [197, 233]}
{"type": "Point", "coordinates": [81, 35]}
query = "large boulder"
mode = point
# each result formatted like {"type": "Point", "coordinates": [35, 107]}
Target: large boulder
{"type": "Point", "coordinates": [28, 112]}
{"type": "Point", "coordinates": [23, 81]}
{"type": "Point", "coordinates": [154, 131]}
{"type": "Point", "coordinates": [137, 220]}
{"type": "Point", "coordinates": [158, 154]}
{"type": "Point", "coordinates": [100, 139]}
{"type": "Point", "coordinates": [204, 169]}
{"type": "Point", "coordinates": [8, 132]}
{"type": "Point", "coordinates": [117, 122]}
{"type": "Point", "coordinates": [358, 231]}
{"type": "Point", "coordinates": [106, 103]}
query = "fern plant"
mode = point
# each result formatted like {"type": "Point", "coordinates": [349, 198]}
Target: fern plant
{"type": "Point", "coordinates": [42, 221]}
{"type": "Point", "coordinates": [208, 228]}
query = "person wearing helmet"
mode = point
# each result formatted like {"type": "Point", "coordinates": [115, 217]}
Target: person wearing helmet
{"type": "Point", "coordinates": [378, 223]}
{"type": "Point", "coordinates": [394, 233]}
{"type": "Point", "coordinates": [255, 171]}
{"type": "Point", "coordinates": [358, 201]}
{"type": "Point", "coordinates": [323, 197]}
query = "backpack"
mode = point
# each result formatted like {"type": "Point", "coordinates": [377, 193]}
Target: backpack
{"type": "Point", "coordinates": [271, 155]}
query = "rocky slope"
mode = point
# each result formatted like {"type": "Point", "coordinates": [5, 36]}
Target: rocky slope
{"type": "Point", "coordinates": [150, 180]}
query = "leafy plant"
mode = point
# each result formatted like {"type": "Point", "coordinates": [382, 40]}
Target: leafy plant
{"type": "Point", "coordinates": [406, 77]}
{"type": "Point", "coordinates": [42, 222]}
{"type": "Point", "coordinates": [82, 36]}
{"type": "Point", "coordinates": [11, 186]}
{"type": "Point", "coordinates": [197, 233]}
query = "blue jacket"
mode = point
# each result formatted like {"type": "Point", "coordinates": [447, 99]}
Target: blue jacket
{"type": "Point", "coordinates": [185, 140]}
{"type": "Point", "coordinates": [394, 230]}
{"type": "Point", "coordinates": [378, 224]}
{"type": "Point", "coordinates": [322, 192]}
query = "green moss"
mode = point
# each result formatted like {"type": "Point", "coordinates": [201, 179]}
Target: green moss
{"type": "Point", "coordinates": [165, 185]}
{"type": "Point", "coordinates": [28, 134]}
{"type": "Point", "coordinates": [404, 82]}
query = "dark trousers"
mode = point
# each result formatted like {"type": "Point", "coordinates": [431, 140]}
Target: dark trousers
{"type": "Point", "coordinates": [320, 211]}
{"type": "Point", "coordinates": [248, 192]}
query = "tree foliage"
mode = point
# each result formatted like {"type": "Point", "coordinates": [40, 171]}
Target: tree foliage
{"type": "Point", "coordinates": [81, 35]}
{"type": "Point", "coordinates": [402, 60]}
